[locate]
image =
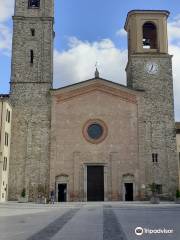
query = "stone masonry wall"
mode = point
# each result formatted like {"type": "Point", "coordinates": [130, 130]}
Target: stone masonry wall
{"type": "Point", "coordinates": [30, 98]}
{"type": "Point", "coordinates": [156, 120]}
{"type": "Point", "coordinates": [46, 9]}
{"type": "Point", "coordinates": [29, 165]}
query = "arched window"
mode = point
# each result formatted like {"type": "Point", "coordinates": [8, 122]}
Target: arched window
{"type": "Point", "coordinates": [34, 3]}
{"type": "Point", "coordinates": [149, 36]}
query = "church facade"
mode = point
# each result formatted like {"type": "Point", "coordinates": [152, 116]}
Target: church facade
{"type": "Point", "coordinates": [95, 140]}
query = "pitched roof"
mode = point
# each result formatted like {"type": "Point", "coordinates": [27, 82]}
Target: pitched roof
{"type": "Point", "coordinates": [89, 81]}
{"type": "Point", "coordinates": [4, 96]}
{"type": "Point", "coordinates": [95, 84]}
{"type": "Point", "coordinates": [137, 11]}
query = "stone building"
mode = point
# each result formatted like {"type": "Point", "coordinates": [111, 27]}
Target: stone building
{"type": "Point", "coordinates": [178, 145]}
{"type": "Point", "coordinates": [95, 140]}
{"type": "Point", "coordinates": [5, 138]}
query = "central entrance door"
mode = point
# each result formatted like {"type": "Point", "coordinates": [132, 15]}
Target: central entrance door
{"type": "Point", "coordinates": [95, 183]}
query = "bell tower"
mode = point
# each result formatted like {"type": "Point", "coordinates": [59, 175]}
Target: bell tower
{"type": "Point", "coordinates": [149, 70]}
{"type": "Point", "coordinates": [147, 31]}
{"type": "Point", "coordinates": [31, 80]}
{"type": "Point", "coordinates": [147, 37]}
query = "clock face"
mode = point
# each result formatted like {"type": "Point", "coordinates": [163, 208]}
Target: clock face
{"type": "Point", "coordinates": [151, 67]}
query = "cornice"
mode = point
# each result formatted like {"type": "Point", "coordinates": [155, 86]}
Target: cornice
{"type": "Point", "coordinates": [123, 95]}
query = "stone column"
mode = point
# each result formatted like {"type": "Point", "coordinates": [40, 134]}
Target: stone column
{"type": "Point", "coordinates": [76, 161]}
{"type": "Point", "coordinates": [114, 176]}
{"type": "Point", "coordinates": [106, 183]}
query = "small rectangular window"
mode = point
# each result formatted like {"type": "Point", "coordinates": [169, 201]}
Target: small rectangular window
{"type": "Point", "coordinates": [5, 164]}
{"type": "Point", "coordinates": [32, 32]}
{"type": "Point", "coordinates": [7, 112]}
{"type": "Point", "coordinates": [6, 139]}
{"type": "Point", "coordinates": [31, 56]}
{"type": "Point", "coordinates": [155, 157]}
{"type": "Point", "coordinates": [8, 116]}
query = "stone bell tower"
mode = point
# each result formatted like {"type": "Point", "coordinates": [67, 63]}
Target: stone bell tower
{"type": "Point", "coordinates": [31, 80]}
{"type": "Point", "coordinates": [149, 69]}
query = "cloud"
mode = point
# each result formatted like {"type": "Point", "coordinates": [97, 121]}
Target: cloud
{"type": "Point", "coordinates": [5, 39]}
{"type": "Point", "coordinates": [6, 9]}
{"type": "Point", "coordinates": [78, 63]}
{"type": "Point", "coordinates": [121, 32]}
{"type": "Point", "coordinates": [174, 31]}
{"type": "Point", "coordinates": [174, 49]}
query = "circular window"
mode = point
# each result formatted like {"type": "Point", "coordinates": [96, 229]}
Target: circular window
{"type": "Point", "coordinates": [95, 131]}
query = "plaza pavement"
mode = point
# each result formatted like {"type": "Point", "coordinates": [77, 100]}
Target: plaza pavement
{"type": "Point", "coordinates": [88, 221]}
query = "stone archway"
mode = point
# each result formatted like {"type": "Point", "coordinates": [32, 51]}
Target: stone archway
{"type": "Point", "coordinates": [128, 187]}
{"type": "Point", "coordinates": [62, 188]}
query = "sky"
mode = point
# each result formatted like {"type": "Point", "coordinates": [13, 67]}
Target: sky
{"type": "Point", "coordinates": [90, 31]}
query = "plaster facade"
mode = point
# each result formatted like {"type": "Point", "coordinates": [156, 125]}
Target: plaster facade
{"type": "Point", "coordinates": [70, 150]}
{"type": "Point", "coordinates": [5, 139]}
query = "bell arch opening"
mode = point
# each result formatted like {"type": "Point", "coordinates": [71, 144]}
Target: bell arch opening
{"type": "Point", "coordinates": [149, 36]}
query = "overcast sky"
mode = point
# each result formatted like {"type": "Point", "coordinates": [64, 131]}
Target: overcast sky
{"type": "Point", "coordinates": [88, 31]}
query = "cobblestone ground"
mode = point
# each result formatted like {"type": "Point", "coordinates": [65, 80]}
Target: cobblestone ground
{"type": "Point", "coordinates": [89, 221]}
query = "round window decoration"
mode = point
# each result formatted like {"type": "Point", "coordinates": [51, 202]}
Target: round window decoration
{"type": "Point", "coordinates": [95, 131]}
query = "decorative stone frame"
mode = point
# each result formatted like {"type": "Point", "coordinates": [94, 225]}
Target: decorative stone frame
{"type": "Point", "coordinates": [95, 121]}
{"type": "Point", "coordinates": [128, 178]}
{"type": "Point", "coordinates": [105, 166]}
{"type": "Point", "coordinates": [61, 179]}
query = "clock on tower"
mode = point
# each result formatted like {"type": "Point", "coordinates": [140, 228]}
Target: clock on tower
{"type": "Point", "coordinates": [149, 70]}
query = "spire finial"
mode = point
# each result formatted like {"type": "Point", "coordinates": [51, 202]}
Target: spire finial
{"type": "Point", "coordinates": [96, 72]}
